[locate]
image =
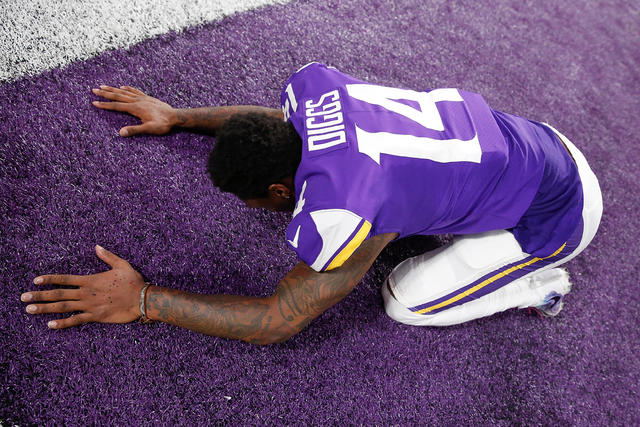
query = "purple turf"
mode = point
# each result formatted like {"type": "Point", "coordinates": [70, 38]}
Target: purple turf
{"type": "Point", "coordinates": [69, 182]}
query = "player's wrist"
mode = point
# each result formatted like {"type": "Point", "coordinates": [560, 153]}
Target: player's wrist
{"type": "Point", "coordinates": [176, 117]}
{"type": "Point", "coordinates": [142, 303]}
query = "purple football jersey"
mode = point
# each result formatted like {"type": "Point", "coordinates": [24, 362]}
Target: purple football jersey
{"type": "Point", "coordinates": [378, 160]}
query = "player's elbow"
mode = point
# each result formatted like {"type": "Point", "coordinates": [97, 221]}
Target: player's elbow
{"type": "Point", "coordinates": [270, 341]}
{"type": "Point", "coordinates": [271, 338]}
{"type": "Point", "coordinates": [276, 334]}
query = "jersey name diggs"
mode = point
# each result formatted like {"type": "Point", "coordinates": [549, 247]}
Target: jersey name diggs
{"type": "Point", "coordinates": [324, 124]}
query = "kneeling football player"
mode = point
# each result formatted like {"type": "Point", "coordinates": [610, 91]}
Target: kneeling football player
{"type": "Point", "coordinates": [360, 165]}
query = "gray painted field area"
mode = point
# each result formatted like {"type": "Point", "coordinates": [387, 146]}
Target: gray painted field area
{"type": "Point", "coordinates": [40, 34]}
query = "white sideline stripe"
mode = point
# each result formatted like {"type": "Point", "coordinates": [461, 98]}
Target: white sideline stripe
{"type": "Point", "coordinates": [37, 35]}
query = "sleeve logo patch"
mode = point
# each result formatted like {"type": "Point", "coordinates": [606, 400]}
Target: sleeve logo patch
{"type": "Point", "coordinates": [294, 242]}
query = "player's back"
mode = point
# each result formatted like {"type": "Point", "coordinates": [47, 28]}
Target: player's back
{"type": "Point", "coordinates": [401, 161]}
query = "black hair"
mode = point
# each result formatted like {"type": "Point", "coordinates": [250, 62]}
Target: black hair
{"type": "Point", "coordinates": [253, 151]}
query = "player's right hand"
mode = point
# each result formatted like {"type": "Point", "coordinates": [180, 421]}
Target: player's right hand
{"type": "Point", "coordinates": [157, 117]}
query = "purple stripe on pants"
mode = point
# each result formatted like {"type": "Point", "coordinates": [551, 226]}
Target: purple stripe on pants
{"type": "Point", "coordinates": [571, 245]}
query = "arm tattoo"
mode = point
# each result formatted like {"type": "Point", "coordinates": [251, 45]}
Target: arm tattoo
{"type": "Point", "coordinates": [211, 119]}
{"type": "Point", "coordinates": [304, 294]}
{"type": "Point", "coordinates": [228, 316]}
{"type": "Point", "coordinates": [301, 296]}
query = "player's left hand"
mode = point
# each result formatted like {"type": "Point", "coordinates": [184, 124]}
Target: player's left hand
{"type": "Point", "coordinates": [109, 297]}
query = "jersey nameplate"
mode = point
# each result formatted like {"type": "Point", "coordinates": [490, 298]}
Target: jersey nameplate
{"type": "Point", "coordinates": [324, 123]}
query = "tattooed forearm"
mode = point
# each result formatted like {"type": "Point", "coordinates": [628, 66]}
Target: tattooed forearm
{"type": "Point", "coordinates": [229, 316]}
{"type": "Point", "coordinates": [211, 119]}
{"type": "Point", "coordinates": [304, 294]}
{"type": "Point", "coordinates": [301, 296]}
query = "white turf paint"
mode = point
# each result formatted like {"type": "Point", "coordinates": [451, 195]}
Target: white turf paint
{"type": "Point", "coordinates": [36, 35]}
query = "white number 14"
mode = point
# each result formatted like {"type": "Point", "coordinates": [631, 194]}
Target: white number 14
{"type": "Point", "coordinates": [419, 147]}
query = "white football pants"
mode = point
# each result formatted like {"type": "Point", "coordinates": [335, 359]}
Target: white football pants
{"type": "Point", "coordinates": [441, 287]}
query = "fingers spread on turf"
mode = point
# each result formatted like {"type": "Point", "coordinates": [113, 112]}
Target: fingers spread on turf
{"type": "Point", "coordinates": [134, 130]}
{"type": "Point", "coordinates": [53, 295]}
{"type": "Point", "coordinates": [112, 89]}
{"type": "Point", "coordinates": [75, 320]}
{"type": "Point", "coordinates": [115, 106]}
{"type": "Point", "coordinates": [60, 279]}
{"type": "Point", "coordinates": [55, 307]}
{"type": "Point", "coordinates": [133, 90]}
{"type": "Point", "coordinates": [108, 88]}
{"type": "Point", "coordinates": [109, 257]}
{"type": "Point", "coordinates": [120, 95]}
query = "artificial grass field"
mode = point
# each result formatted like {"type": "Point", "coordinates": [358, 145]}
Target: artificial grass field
{"type": "Point", "coordinates": [70, 182]}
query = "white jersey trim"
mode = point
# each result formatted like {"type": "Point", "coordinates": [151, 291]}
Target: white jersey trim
{"type": "Point", "coordinates": [334, 226]}
{"type": "Point", "coordinates": [306, 65]}
{"type": "Point", "coordinates": [301, 201]}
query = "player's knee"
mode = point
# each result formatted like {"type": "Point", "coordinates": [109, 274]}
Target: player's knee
{"type": "Point", "coordinates": [481, 251]}
{"type": "Point", "coordinates": [395, 309]}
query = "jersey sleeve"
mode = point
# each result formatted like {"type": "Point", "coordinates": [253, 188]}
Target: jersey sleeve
{"type": "Point", "coordinates": [325, 239]}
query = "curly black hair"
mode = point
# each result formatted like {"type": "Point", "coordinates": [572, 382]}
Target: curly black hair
{"type": "Point", "coordinates": [253, 151]}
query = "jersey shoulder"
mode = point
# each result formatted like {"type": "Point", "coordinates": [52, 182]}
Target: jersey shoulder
{"type": "Point", "coordinates": [324, 238]}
